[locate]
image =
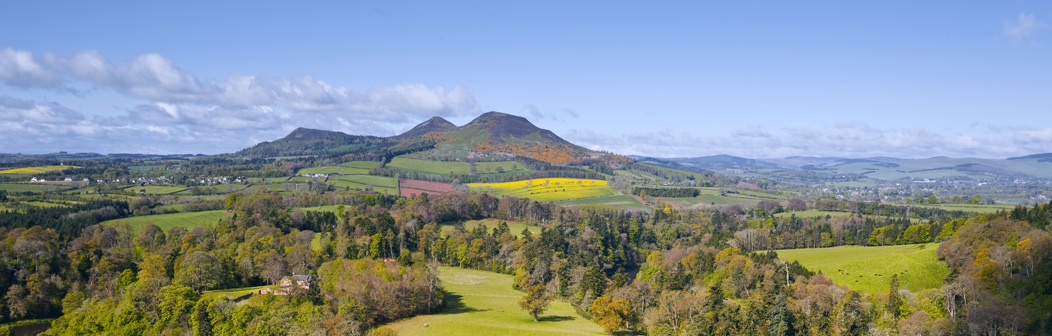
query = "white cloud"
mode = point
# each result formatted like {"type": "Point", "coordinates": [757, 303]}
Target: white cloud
{"type": "Point", "coordinates": [183, 113]}
{"type": "Point", "coordinates": [155, 78]}
{"type": "Point", "coordinates": [20, 68]}
{"type": "Point", "coordinates": [1023, 28]}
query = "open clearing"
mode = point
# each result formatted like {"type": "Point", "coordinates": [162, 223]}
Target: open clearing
{"type": "Point", "coordinates": [617, 201]}
{"type": "Point", "coordinates": [27, 187]}
{"type": "Point", "coordinates": [342, 170]}
{"type": "Point", "coordinates": [36, 170]}
{"type": "Point", "coordinates": [483, 303]}
{"type": "Point", "coordinates": [514, 227]}
{"type": "Point", "coordinates": [186, 220]}
{"type": "Point", "coordinates": [156, 189]}
{"type": "Point", "coordinates": [869, 268]}
{"type": "Point", "coordinates": [547, 189]}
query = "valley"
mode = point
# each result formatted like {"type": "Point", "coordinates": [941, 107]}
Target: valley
{"type": "Point", "coordinates": [456, 228]}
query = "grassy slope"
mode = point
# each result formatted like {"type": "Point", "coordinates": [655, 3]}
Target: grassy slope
{"type": "Point", "coordinates": [231, 293]}
{"type": "Point", "coordinates": [433, 167]}
{"type": "Point", "coordinates": [342, 170]}
{"type": "Point", "coordinates": [619, 201]}
{"type": "Point", "coordinates": [917, 265]}
{"type": "Point", "coordinates": [22, 187]}
{"type": "Point", "coordinates": [484, 303]}
{"type": "Point", "coordinates": [156, 189]}
{"type": "Point", "coordinates": [185, 220]}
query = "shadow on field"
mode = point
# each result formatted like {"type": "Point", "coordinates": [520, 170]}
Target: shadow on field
{"type": "Point", "coordinates": [554, 318]}
{"type": "Point", "coordinates": [455, 305]}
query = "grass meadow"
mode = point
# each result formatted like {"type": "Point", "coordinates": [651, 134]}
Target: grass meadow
{"type": "Point", "coordinates": [617, 201]}
{"type": "Point", "coordinates": [342, 170]}
{"type": "Point", "coordinates": [156, 189]}
{"type": "Point", "coordinates": [186, 220]}
{"type": "Point", "coordinates": [869, 268]}
{"type": "Point", "coordinates": [547, 189]}
{"type": "Point", "coordinates": [484, 303]}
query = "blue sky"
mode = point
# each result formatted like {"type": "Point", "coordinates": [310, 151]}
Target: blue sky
{"type": "Point", "coordinates": [671, 79]}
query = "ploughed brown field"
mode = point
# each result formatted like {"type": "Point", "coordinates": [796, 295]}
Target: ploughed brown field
{"type": "Point", "coordinates": [411, 188]}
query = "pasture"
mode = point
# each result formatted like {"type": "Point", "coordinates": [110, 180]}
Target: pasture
{"type": "Point", "coordinates": [232, 293]}
{"type": "Point", "coordinates": [484, 303]}
{"type": "Point", "coordinates": [617, 201]}
{"type": "Point", "coordinates": [387, 185]}
{"type": "Point", "coordinates": [29, 187]}
{"type": "Point", "coordinates": [36, 170]}
{"type": "Point", "coordinates": [155, 189]}
{"type": "Point", "coordinates": [431, 167]}
{"type": "Point", "coordinates": [359, 164]}
{"type": "Point", "coordinates": [186, 220]}
{"type": "Point", "coordinates": [869, 268]}
{"type": "Point", "coordinates": [342, 170]}
{"type": "Point", "coordinates": [547, 189]}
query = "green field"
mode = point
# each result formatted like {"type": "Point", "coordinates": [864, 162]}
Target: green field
{"type": "Point", "coordinates": [484, 303]}
{"type": "Point", "coordinates": [547, 189]}
{"type": "Point", "coordinates": [433, 167]}
{"type": "Point", "coordinates": [359, 164]}
{"type": "Point", "coordinates": [617, 201]}
{"type": "Point", "coordinates": [342, 170]}
{"type": "Point", "coordinates": [387, 185]}
{"type": "Point", "coordinates": [186, 220]}
{"type": "Point", "coordinates": [491, 223]}
{"type": "Point", "coordinates": [231, 293]}
{"type": "Point", "coordinates": [156, 189]}
{"type": "Point", "coordinates": [917, 265]}
{"type": "Point", "coordinates": [24, 187]}
{"type": "Point", "coordinates": [813, 214]}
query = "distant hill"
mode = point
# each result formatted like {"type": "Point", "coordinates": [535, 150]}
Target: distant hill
{"type": "Point", "coordinates": [435, 124]}
{"type": "Point", "coordinates": [306, 141]}
{"type": "Point", "coordinates": [889, 168]}
{"type": "Point", "coordinates": [491, 136]}
{"type": "Point", "coordinates": [727, 161]}
{"type": "Point", "coordinates": [495, 135]}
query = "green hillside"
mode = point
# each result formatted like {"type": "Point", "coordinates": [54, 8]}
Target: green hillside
{"type": "Point", "coordinates": [484, 303]}
{"type": "Point", "coordinates": [869, 268]}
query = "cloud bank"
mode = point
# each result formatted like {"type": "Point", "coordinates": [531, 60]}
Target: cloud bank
{"type": "Point", "coordinates": [854, 140]}
{"type": "Point", "coordinates": [180, 112]}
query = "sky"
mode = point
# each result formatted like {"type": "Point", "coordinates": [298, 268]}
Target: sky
{"type": "Point", "coordinates": [910, 79]}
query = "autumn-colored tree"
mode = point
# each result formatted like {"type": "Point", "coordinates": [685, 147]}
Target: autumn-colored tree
{"type": "Point", "coordinates": [535, 301]}
{"type": "Point", "coordinates": [612, 315]}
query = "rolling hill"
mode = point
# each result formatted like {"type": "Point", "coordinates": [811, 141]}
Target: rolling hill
{"type": "Point", "coordinates": [499, 136]}
{"type": "Point", "coordinates": [492, 136]}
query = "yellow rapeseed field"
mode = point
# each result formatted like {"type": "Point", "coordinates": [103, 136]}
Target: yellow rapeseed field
{"type": "Point", "coordinates": [36, 170]}
{"type": "Point", "coordinates": [547, 189]}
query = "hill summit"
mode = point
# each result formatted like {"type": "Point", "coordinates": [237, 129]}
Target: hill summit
{"type": "Point", "coordinates": [435, 124]}
{"type": "Point", "coordinates": [498, 136]}
{"type": "Point", "coordinates": [490, 136]}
